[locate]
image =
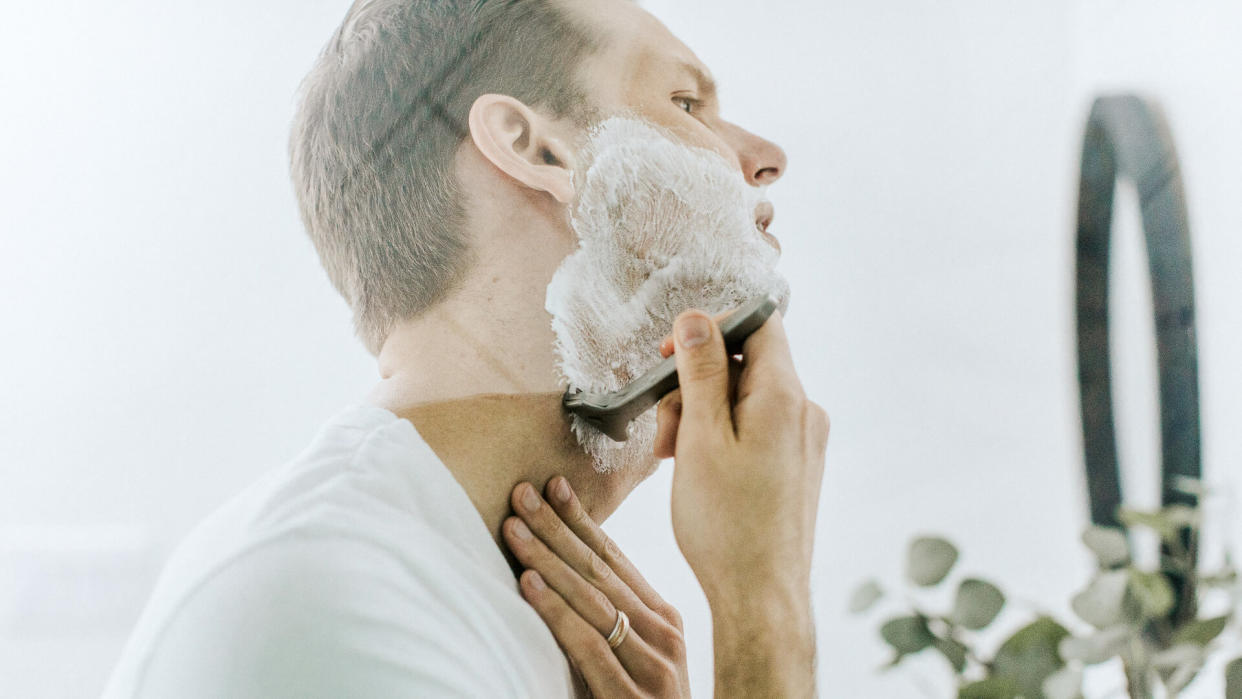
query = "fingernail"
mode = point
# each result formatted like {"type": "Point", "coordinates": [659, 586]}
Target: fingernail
{"type": "Point", "coordinates": [560, 491]}
{"type": "Point", "coordinates": [535, 580]}
{"type": "Point", "coordinates": [530, 500]}
{"type": "Point", "coordinates": [693, 331]}
{"type": "Point", "coordinates": [520, 530]}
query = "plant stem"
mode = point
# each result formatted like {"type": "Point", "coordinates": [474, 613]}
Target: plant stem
{"type": "Point", "coordinates": [1138, 678]}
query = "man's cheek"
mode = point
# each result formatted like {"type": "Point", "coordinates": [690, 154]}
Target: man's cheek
{"type": "Point", "coordinates": [685, 128]}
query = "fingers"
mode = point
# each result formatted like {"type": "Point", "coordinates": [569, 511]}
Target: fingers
{"type": "Point", "coordinates": [668, 416]}
{"type": "Point", "coordinates": [577, 590]}
{"type": "Point", "coordinates": [585, 599]}
{"type": "Point", "coordinates": [580, 523]}
{"type": "Point", "coordinates": [703, 374]}
{"type": "Point", "coordinates": [769, 345]}
{"type": "Point", "coordinates": [542, 541]}
{"type": "Point", "coordinates": [768, 389]}
{"type": "Point", "coordinates": [666, 346]}
{"type": "Point", "coordinates": [583, 644]}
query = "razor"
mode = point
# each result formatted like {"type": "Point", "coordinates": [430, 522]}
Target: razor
{"type": "Point", "coordinates": [613, 412]}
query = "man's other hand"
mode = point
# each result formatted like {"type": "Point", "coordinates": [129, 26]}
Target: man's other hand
{"type": "Point", "coordinates": [577, 579]}
{"type": "Point", "coordinates": [749, 450]}
{"type": "Point", "coordinates": [749, 460]}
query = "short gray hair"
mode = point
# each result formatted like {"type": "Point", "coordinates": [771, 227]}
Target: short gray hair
{"type": "Point", "coordinates": [379, 121]}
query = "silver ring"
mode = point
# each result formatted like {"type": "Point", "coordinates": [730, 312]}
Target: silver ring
{"type": "Point", "coordinates": [619, 631]}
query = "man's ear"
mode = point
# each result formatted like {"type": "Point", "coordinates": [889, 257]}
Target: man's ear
{"type": "Point", "coordinates": [522, 144]}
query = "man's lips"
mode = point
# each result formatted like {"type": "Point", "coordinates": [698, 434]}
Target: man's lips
{"type": "Point", "coordinates": [764, 213]}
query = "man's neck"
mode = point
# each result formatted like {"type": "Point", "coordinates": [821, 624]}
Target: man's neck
{"type": "Point", "coordinates": [492, 442]}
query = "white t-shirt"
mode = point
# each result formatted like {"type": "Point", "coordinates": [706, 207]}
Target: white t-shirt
{"type": "Point", "coordinates": [360, 569]}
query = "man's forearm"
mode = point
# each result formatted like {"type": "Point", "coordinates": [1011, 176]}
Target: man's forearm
{"type": "Point", "coordinates": [764, 644]}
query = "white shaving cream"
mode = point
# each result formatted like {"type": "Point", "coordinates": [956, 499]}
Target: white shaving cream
{"type": "Point", "coordinates": [663, 227]}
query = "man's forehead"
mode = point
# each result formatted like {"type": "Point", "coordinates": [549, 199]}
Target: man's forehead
{"type": "Point", "coordinates": [639, 40]}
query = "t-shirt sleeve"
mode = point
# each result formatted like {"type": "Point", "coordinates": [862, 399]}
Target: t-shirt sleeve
{"type": "Point", "coordinates": [315, 616]}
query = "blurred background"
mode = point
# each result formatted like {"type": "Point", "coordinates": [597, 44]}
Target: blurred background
{"type": "Point", "coordinates": [169, 335]}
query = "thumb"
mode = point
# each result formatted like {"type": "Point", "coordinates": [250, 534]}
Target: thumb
{"type": "Point", "coordinates": [702, 372]}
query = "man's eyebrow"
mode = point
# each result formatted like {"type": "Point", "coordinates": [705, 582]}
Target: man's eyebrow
{"type": "Point", "coordinates": [707, 86]}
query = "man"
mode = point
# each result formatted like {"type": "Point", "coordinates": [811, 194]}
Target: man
{"type": "Point", "coordinates": [434, 157]}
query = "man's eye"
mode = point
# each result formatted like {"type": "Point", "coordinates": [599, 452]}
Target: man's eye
{"type": "Point", "coordinates": [689, 103]}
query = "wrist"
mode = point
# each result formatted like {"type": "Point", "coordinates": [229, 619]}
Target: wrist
{"type": "Point", "coordinates": [783, 610]}
{"type": "Point", "coordinates": [758, 593]}
{"type": "Point", "coordinates": [764, 641]}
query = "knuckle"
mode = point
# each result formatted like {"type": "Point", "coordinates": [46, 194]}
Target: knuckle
{"type": "Point", "coordinates": [790, 389]}
{"type": "Point", "coordinates": [580, 519]}
{"type": "Point", "coordinates": [817, 418]}
{"type": "Point", "coordinates": [672, 642]}
{"type": "Point", "coordinates": [598, 572]}
{"type": "Point", "coordinates": [671, 615]}
{"type": "Point", "coordinates": [612, 552]}
{"type": "Point", "coordinates": [784, 404]}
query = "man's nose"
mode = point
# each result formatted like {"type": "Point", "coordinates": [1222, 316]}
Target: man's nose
{"type": "Point", "coordinates": [762, 161]}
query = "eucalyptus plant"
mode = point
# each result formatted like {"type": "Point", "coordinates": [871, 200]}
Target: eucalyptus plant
{"type": "Point", "coordinates": [1125, 611]}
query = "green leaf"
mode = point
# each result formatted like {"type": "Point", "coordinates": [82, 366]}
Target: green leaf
{"type": "Point", "coordinates": [1167, 522]}
{"type": "Point", "coordinates": [907, 634]}
{"type": "Point", "coordinates": [1180, 654]}
{"type": "Point", "coordinates": [1225, 578]}
{"type": "Point", "coordinates": [929, 559]}
{"type": "Point", "coordinates": [1153, 593]}
{"type": "Point", "coordinates": [991, 688]}
{"type": "Point", "coordinates": [1182, 676]}
{"type": "Point", "coordinates": [1110, 546]}
{"type": "Point", "coordinates": [1201, 631]}
{"type": "Point", "coordinates": [1233, 679]}
{"type": "Point", "coordinates": [1131, 517]}
{"type": "Point", "coordinates": [1182, 515]}
{"type": "Point", "coordinates": [1097, 647]}
{"type": "Point", "coordinates": [1101, 604]}
{"type": "Point", "coordinates": [1030, 656]}
{"type": "Point", "coordinates": [1065, 683]}
{"type": "Point", "coordinates": [864, 596]}
{"type": "Point", "coordinates": [1181, 662]}
{"type": "Point", "coordinates": [953, 651]}
{"type": "Point", "coordinates": [977, 604]}
{"type": "Point", "coordinates": [1190, 486]}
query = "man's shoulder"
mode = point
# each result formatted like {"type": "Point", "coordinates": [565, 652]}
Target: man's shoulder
{"type": "Point", "coordinates": [357, 609]}
{"type": "Point", "coordinates": [362, 502]}
{"type": "Point", "coordinates": [360, 564]}
{"type": "Point", "coordinates": [362, 476]}
{"type": "Point", "coordinates": [366, 506]}
{"type": "Point", "coordinates": [304, 613]}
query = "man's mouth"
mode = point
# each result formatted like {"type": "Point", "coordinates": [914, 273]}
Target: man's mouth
{"type": "Point", "coordinates": [764, 213]}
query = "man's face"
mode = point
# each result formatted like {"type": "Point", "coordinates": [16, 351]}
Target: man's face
{"type": "Point", "coordinates": [644, 69]}
{"type": "Point", "coordinates": [667, 199]}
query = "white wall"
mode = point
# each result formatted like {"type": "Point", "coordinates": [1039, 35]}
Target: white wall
{"type": "Point", "coordinates": [170, 334]}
